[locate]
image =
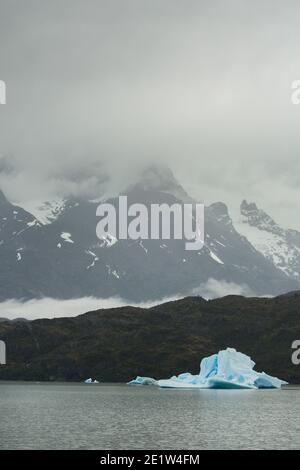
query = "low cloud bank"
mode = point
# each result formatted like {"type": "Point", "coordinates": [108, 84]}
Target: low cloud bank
{"type": "Point", "coordinates": [214, 288]}
{"type": "Point", "coordinates": [55, 308]}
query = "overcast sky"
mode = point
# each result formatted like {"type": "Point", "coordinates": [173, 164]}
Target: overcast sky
{"type": "Point", "coordinates": [202, 86]}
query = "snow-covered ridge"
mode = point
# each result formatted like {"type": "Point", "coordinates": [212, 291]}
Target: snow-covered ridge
{"type": "Point", "coordinates": [45, 212]}
{"type": "Point", "coordinates": [281, 246]}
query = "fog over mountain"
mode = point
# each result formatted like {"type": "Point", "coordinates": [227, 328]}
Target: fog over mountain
{"type": "Point", "coordinates": [97, 89]}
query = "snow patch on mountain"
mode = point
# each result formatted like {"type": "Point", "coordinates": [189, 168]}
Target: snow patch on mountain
{"type": "Point", "coordinates": [112, 272]}
{"type": "Point", "coordinates": [67, 237]}
{"type": "Point", "coordinates": [94, 260]}
{"type": "Point", "coordinates": [108, 241]}
{"type": "Point", "coordinates": [215, 257]}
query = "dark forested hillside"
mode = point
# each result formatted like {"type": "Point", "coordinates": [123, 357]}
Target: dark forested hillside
{"type": "Point", "coordinates": [118, 344]}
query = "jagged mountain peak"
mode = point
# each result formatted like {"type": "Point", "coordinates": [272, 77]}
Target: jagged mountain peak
{"type": "Point", "coordinates": [160, 178]}
{"type": "Point", "coordinates": [248, 207]}
{"type": "Point", "coordinates": [220, 211]}
{"type": "Point", "coordinates": [219, 208]}
{"type": "Point", "coordinates": [158, 175]}
{"type": "Point", "coordinates": [256, 217]}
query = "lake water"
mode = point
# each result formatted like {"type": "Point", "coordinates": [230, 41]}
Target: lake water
{"type": "Point", "coordinates": [106, 416]}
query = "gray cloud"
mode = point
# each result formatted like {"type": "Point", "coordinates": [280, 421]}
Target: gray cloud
{"type": "Point", "coordinates": [94, 86]}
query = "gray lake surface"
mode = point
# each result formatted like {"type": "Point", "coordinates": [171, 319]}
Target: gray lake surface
{"type": "Point", "coordinates": [113, 416]}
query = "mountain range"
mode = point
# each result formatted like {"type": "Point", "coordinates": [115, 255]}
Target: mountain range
{"type": "Point", "coordinates": [52, 250]}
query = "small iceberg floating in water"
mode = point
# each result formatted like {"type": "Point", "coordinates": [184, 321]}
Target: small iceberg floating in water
{"type": "Point", "coordinates": [228, 369]}
{"type": "Point", "coordinates": [142, 381]}
{"type": "Point", "coordinates": [91, 381]}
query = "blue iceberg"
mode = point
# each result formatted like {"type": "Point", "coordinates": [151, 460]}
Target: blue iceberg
{"type": "Point", "coordinates": [228, 369]}
{"type": "Point", "coordinates": [142, 381]}
{"type": "Point", "coordinates": [91, 381]}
